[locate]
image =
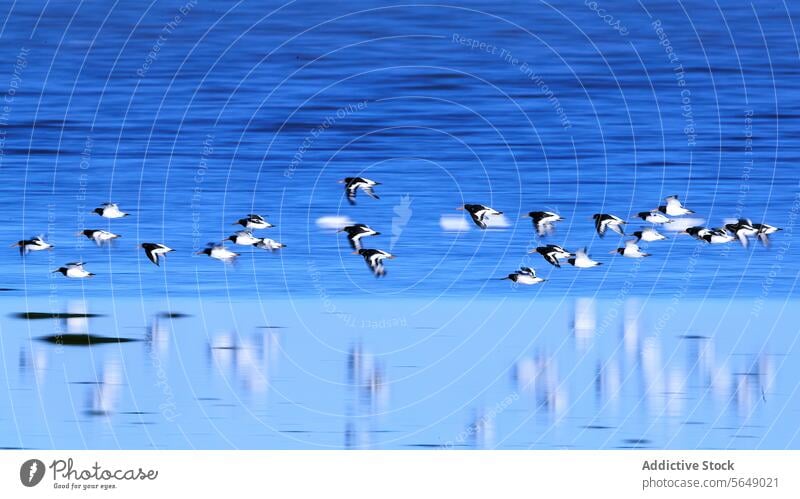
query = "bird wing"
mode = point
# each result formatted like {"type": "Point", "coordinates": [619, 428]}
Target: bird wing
{"type": "Point", "coordinates": [673, 202]}
{"type": "Point", "coordinates": [615, 227]}
{"type": "Point", "coordinates": [478, 220]}
{"type": "Point", "coordinates": [369, 192]}
{"type": "Point", "coordinates": [551, 258]}
{"type": "Point", "coordinates": [600, 226]}
{"type": "Point", "coordinates": [351, 192]}
{"type": "Point", "coordinates": [151, 255]}
{"type": "Point", "coordinates": [742, 237]}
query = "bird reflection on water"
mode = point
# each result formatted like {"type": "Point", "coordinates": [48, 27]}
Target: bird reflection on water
{"type": "Point", "coordinates": [600, 374]}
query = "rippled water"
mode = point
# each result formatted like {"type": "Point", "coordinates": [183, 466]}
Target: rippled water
{"type": "Point", "coordinates": [509, 374]}
{"type": "Point", "coordinates": [193, 114]}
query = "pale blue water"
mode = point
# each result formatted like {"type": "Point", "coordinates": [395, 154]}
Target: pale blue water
{"type": "Point", "coordinates": [246, 107]}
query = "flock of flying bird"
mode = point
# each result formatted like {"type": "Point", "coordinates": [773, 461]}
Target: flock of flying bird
{"type": "Point", "coordinates": [543, 222]}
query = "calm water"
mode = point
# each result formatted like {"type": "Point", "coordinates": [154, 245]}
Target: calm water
{"type": "Point", "coordinates": [192, 114]}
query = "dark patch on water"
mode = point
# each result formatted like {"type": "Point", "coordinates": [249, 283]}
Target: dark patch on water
{"type": "Point", "coordinates": [83, 339]}
{"type": "Point", "coordinates": [598, 427]}
{"type": "Point", "coordinates": [92, 412]}
{"type": "Point", "coordinates": [693, 337]}
{"type": "Point", "coordinates": [637, 441]}
{"type": "Point", "coordinates": [32, 316]}
{"type": "Point", "coordinates": [425, 446]}
{"type": "Point", "coordinates": [271, 327]}
{"type": "Point", "coordinates": [173, 315]}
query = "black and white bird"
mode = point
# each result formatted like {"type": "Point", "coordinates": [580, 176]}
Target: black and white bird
{"type": "Point", "coordinates": [742, 229]}
{"type": "Point", "coordinates": [99, 236]}
{"type": "Point", "coordinates": [33, 244]}
{"type": "Point", "coordinates": [110, 210]}
{"type": "Point", "coordinates": [711, 236]}
{"type": "Point", "coordinates": [353, 184]}
{"type": "Point", "coordinates": [631, 250]}
{"type": "Point", "coordinates": [155, 251]}
{"type": "Point", "coordinates": [479, 213]}
{"type": "Point", "coordinates": [219, 252]}
{"type": "Point", "coordinates": [717, 236]}
{"type": "Point", "coordinates": [653, 217]}
{"type": "Point", "coordinates": [543, 221]}
{"type": "Point", "coordinates": [244, 238]}
{"type": "Point", "coordinates": [253, 221]}
{"type": "Point", "coordinates": [697, 232]}
{"type": "Point", "coordinates": [525, 275]}
{"type": "Point", "coordinates": [74, 270]}
{"type": "Point", "coordinates": [605, 221]}
{"type": "Point", "coordinates": [674, 208]}
{"type": "Point", "coordinates": [648, 235]}
{"type": "Point", "coordinates": [764, 231]}
{"type": "Point", "coordinates": [374, 259]}
{"type": "Point", "coordinates": [266, 243]}
{"type": "Point", "coordinates": [552, 253]}
{"type": "Point", "coordinates": [356, 232]}
{"type": "Point", "coordinates": [581, 260]}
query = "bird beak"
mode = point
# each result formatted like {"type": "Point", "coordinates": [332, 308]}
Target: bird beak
{"type": "Point", "coordinates": [199, 253]}
{"type": "Point", "coordinates": [354, 253]}
{"type": "Point", "coordinates": [460, 208]}
{"type": "Point", "coordinates": [391, 257]}
{"type": "Point", "coordinates": [532, 251]}
{"type": "Point", "coordinates": [612, 252]}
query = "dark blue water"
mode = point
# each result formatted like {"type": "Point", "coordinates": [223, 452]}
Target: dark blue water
{"type": "Point", "coordinates": [557, 110]}
{"type": "Point", "coordinates": [192, 114]}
